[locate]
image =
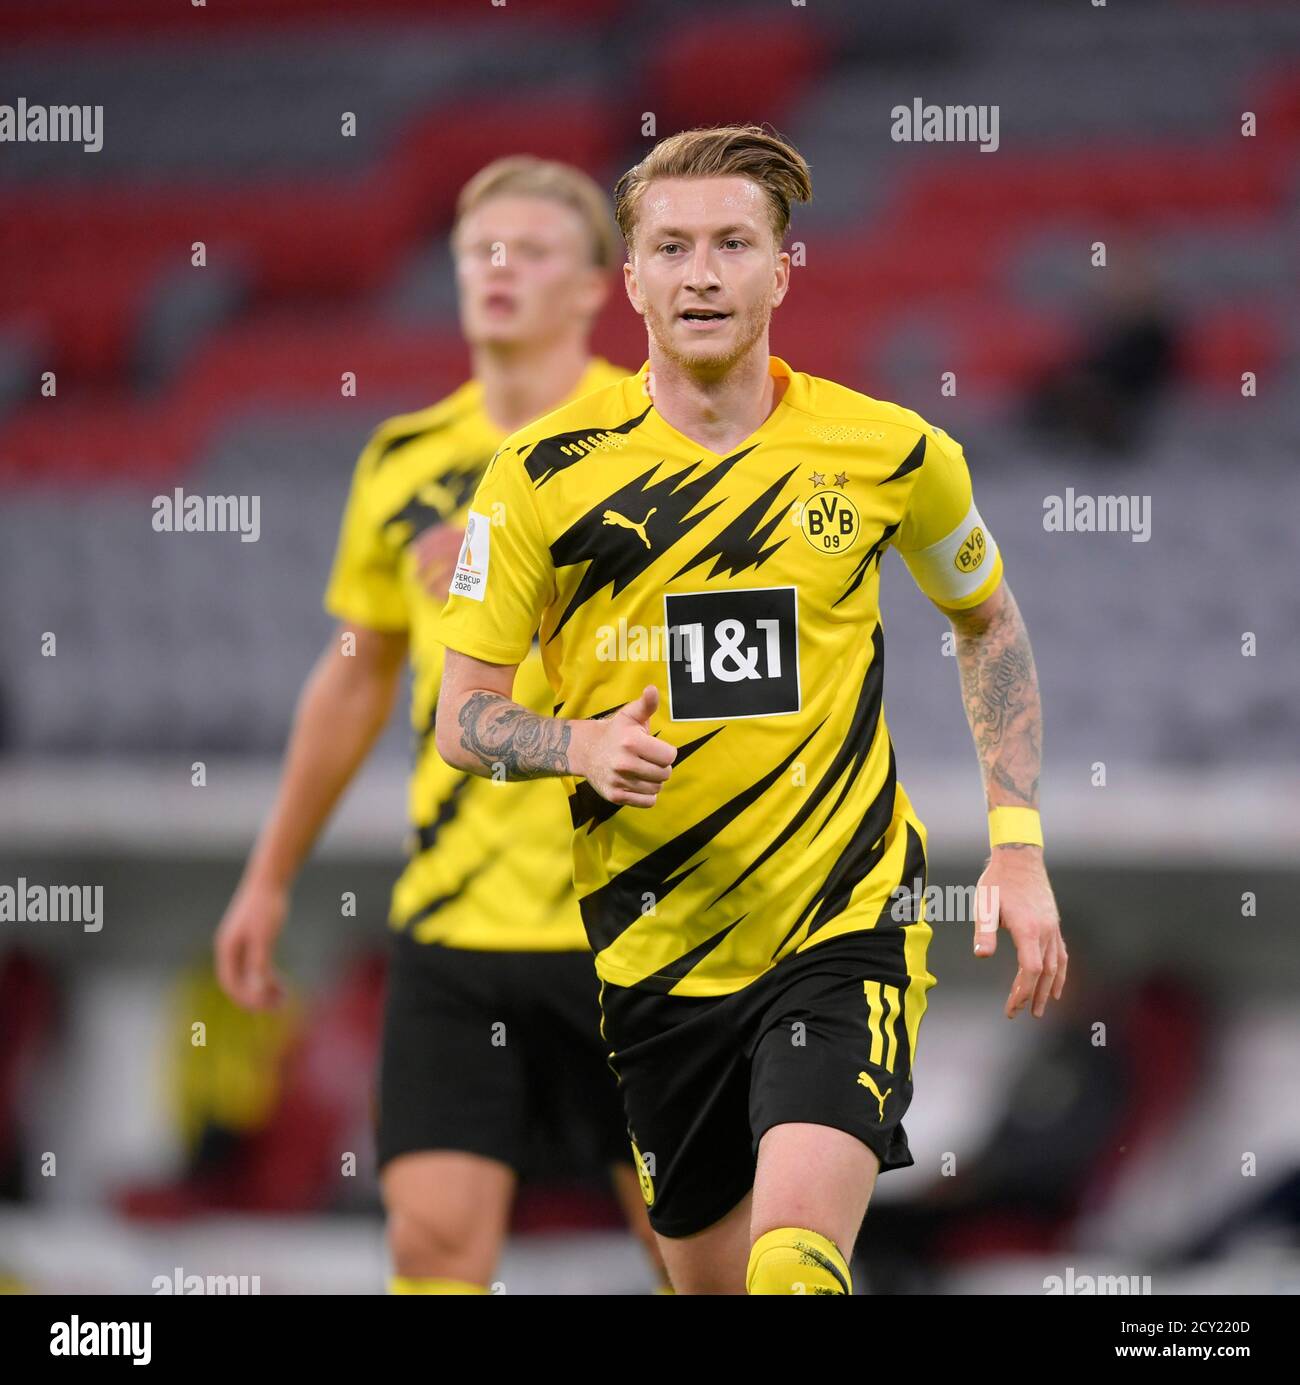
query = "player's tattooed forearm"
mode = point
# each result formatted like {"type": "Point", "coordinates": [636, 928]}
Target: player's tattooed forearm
{"type": "Point", "coordinates": [1000, 689]}
{"type": "Point", "coordinates": [497, 731]}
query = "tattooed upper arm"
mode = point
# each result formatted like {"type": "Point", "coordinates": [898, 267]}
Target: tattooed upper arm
{"type": "Point", "coordinates": [975, 618]}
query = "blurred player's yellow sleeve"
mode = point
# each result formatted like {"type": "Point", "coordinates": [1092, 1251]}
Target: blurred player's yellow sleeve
{"type": "Point", "coordinates": [365, 582]}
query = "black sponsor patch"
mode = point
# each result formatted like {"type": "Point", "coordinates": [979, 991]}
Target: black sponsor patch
{"type": "Point", "coordinates": [732, 653]}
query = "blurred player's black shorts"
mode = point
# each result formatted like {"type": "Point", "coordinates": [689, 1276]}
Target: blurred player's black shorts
{"type": "Point", "coordinates": [498, 1054]}
{"type": "Point", "coordinates": [823, 1038]}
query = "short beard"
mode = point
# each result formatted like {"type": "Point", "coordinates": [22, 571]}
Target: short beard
{"type": "Point", "coordinates": [703, 362]}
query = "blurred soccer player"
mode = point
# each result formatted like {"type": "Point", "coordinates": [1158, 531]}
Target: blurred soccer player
{"type": "Point", "coordinates": [700, 547]}
{"type": "Point", "coordinates": [491, 1023]}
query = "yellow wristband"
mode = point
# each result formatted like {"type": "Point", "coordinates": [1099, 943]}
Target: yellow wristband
{"type": "Point", "coordinates": [1015, 825]}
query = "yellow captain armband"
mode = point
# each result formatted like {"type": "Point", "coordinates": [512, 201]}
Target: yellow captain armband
{"type": "Point", "coordinates": [1015, 825]}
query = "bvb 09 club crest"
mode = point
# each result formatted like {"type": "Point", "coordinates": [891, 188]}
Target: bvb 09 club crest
{"type": "Point", "coordinates": [830, 521]}
{"type": "Point", "coordinates": [644, 1177]}
{"type": "Point", "coordinates": [971, 554]}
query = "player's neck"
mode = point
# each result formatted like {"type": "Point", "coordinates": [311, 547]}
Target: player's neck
{"type": "Point", "coordinates": [716, 411]}
{"type": "Point", "coordinates": [522, 382]}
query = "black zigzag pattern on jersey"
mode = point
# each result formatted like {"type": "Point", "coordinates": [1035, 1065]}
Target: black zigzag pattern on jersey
{"type": "Point", "coordinates": [594, 716]}
{"type": "Point", "coordinates": [421, 737]}
{"type": "Point", "coordinates": [441, 901]}
{"type": "Point", "coordinates": [588, 809]}
{"type": "Point", "coordinates": [459, 480]}
{"type": "Point", "coordinates": [427, 834]}
{"type": "Point", "coordinates": [549, 456]}
{"type": "Point", "coordinates": [740, 544]}
{"type": "Point", "coordinates": [562, 893]}
{"type": "Point", "coordinates": [851, 756]}
{"type": "Point", "coordinates": [909, 463]}
{"type": "Point", "coordinates": [854, 580]}
{"type": "Point", "coordinates": [914, 869]}
{"type": "Point", "coordinates": [396, 443]}
{"type": "Point", "coordinates": [610, 910]}
{"type": "Point", "coordinates": [861, 855]}
{"type": "Point", "coordinates": [615, 556]}
{"type": "Point", "coordinates": [667, 977]}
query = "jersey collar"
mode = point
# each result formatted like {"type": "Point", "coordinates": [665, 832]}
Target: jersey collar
{"type": "Point", "coordinates": [776, 367]}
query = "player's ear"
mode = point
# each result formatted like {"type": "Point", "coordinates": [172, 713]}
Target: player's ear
{"type": "Point", "coordinates": [781, 277]}
{"type": "Point", "coordinates": [632, 287]}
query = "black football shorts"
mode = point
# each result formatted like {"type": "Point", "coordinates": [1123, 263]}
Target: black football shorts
{"type": "Point", "coordinates": [826, 1036]}
{"type": "Point", "coordinates": [498, 1054]}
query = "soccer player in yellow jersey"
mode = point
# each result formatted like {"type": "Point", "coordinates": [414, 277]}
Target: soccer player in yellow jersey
{"type": "Point", "coordinates": [699, 547]}
{"type": "Point", "coordinates": [491, 1048]}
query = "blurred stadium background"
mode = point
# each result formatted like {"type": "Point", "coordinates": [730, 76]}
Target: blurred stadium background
{"type": "Point", "coordinates": [1174, 1149]}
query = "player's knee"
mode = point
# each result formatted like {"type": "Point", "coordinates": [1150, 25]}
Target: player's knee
{"type": "Point", "coordinates": [793, 1260]}
{"type": "Point", "coordinates": [422, 1247]}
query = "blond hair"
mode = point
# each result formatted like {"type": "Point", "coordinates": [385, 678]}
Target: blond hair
{"type": "Point", "coordinates": [746, 151]}
{"type": "Point", "coordinates": [523, 175]}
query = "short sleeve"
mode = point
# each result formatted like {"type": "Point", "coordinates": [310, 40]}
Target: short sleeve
{"type": "Point", "coordinates": [365, 582]}
{"type": "Point", "coordinates": [504, 578]}
{"type": "Point", "coordinates": [942, 538]}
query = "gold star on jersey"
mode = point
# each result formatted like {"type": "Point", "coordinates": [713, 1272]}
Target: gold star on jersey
{"type": "Point", "coordinates": [745, 587]}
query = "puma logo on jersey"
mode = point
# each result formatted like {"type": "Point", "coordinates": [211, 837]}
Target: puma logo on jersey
{"type": "Point", "coordinates": [865, 1080]}
{"type": "Point", "coordinates": [613, 517]}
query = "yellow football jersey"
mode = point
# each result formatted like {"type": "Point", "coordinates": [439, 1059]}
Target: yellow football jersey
{"type": "Point", "coordinates": [746, 588]}
{"type": "Point", "coordinates": [490, 866]}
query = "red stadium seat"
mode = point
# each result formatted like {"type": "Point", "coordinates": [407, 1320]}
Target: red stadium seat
{"type": "Point", "coordinates": [1131, 184]}
{"type": "Point", "coordinates": [91, 254]}
{"type": "Point", "coordinates": [108, 18]}
{"type": "Point", "coordinates": [266, 361]}
{"type": "Point", "coordinates": [1222, 343]}
{"type": "Point", "coordinates": [441, 151]}
{"type": "Point", "coordinates": [1279, 108]}
{"type": "Point", "coordinates": [999, 346]}
{"type": "Point", "coordinates": [294, 359]}
{"type": "Point", "coordinates": [707, 72]}
{"type": "Point", "coordinates": [96, 437]}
